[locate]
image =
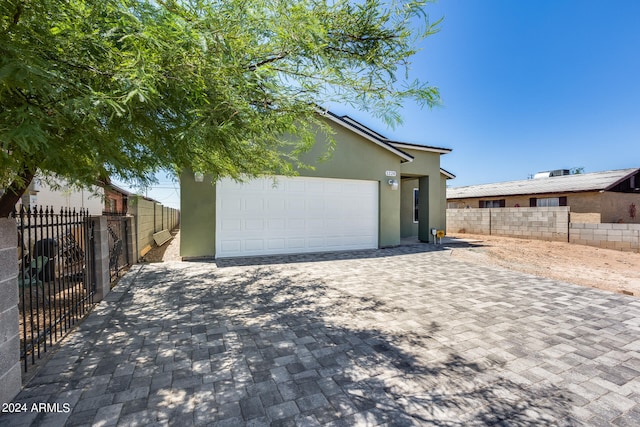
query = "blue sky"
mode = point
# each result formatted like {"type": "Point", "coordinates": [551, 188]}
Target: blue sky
{"type": "Point", "coordinates": [526, 86]}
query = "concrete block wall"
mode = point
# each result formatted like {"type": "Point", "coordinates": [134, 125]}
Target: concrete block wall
{"type": "Point", "coordinates": [531, 223]}
{"type": "Point", "coordinates": [624, 237]}
{"type": "Point", "coordinates": [150, 217]}
{"type": "Point", "coordinates": [10, 371]}
{"type": "Point", "coordinates": [101, 251]}
{"type": "Point", "coordinates": [550, 223]}
{"type": "Point", "coordinates": [474, 221]}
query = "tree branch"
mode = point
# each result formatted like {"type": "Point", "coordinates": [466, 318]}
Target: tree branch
{"type": "Point", "coordinates": [16, 16]}
{"type": "Point", "coordinates": [15, 190]}
{"type": "Point", "coordinates": [274, 58]}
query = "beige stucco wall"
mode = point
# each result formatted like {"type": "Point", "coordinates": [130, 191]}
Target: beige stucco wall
{"type": "Point", "coordinates": [616, 208]}
{"type": "Point", "coordinates": [579, 202]}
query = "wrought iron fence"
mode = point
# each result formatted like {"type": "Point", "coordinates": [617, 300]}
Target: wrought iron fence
{"type": "Point", "coordinates": [117, 227]}
{"type": "Point", "coordinates": [56, 277]}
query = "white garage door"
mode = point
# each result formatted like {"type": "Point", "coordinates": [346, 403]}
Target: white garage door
{"type": "Point", "coordinates": [294, 215]}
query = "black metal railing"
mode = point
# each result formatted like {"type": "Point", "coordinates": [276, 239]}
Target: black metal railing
{"type": "Point", "coordinates": [117, 226]}
{"type": "Point", "coordinates": [56, 277]}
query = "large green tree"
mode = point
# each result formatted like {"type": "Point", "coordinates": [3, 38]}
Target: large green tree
{"type": "Point", "coordinates": [122, 88]}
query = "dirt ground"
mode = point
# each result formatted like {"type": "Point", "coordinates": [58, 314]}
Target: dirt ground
{"type": "Point", "coordinates": [582, 265]}
{"type": "Point", "coordinates": [170, 251]}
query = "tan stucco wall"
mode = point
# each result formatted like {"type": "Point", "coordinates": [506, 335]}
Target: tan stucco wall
{"type": "Point", "coordinates": [580, 202]}
{"type": "Point", "coordinates": [612, 207]}
{"type": "Point", "coordinates": [615, 207]}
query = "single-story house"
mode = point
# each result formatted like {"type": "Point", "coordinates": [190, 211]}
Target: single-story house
{"type": "Point", "coordinates": [372, 192]}
{"type": "Point", "coordinates": [611, 196]}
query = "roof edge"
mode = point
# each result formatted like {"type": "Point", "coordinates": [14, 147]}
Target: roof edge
{"type": "Point", "coordinates": [622, 179]}
{"type": "Point", "coordinates": [446, 173]}
{"type": "Point", "coordinates": [419, 147]}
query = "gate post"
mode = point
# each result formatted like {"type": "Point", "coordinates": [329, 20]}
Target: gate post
{"type": "Point", "coordinates": [101, 259]}
{"type": "Point", "coordinates": [10, 373]}
{"type": "Point", "coordinates": [132, 240]}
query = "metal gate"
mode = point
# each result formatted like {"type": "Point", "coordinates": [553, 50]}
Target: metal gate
{"type": "Point", "coordinates": [56, 277]}
{"type": "Point", "coordinates": [117, 227]}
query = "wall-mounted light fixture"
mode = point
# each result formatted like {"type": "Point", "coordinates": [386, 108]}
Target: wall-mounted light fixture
{"type": "Point", "coordinates": [198, 176]}
{"type": "Point", "coordinates": [393, 183]}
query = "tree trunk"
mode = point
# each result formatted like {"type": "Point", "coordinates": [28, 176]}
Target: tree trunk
{"type": "Point", "coordinates": [14, 191]}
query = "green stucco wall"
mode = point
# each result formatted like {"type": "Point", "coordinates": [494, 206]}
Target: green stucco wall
{"type": "Point", "coordinates": [408, 228]}
{"type": "Point", "coordinates": [357, 158]}
{"type": "Point", "coordinates": [354, 157]}
{"type": "Point", "coordinates": [426, 164]}
{"type": "Point", "coordinates": [198, 217]}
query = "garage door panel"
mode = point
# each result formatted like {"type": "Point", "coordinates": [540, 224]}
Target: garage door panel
{"type": "Point", "coordinates": [300, 214]}
{"type": "Point", "coordinates": [276, 205]}
{"type": "Point", "coordinates": [231, 225]}
{"type": "Point", "coordinates": [276, 244]}
{"type": "Point", "coordinates": [254, 245]}
{"type": "Point", "coordinates": [231, 205]}
{"type": "Point", "coordinates": [254, 225]}
{"type": "Point", "coordinates": [276, 225]}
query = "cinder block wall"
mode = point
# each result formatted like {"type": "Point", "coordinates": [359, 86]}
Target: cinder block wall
{"type": "Point", "coordinates": [624, 237]}
{"type": "Point", "coordinates": [151, 217]}
{"type": "Point", "coordinates": [531, 223]}
{"type": "Point", "coordinates": [474, 221]}
{"type": "Point", "coordinates": [10, 373]}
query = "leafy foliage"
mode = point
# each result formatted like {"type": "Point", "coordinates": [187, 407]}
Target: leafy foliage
{"type": "Point", "coordinates": [122, 88]}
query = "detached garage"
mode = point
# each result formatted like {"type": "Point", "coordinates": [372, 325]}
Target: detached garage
{"type": "Point", "coordinates": [352, 201]}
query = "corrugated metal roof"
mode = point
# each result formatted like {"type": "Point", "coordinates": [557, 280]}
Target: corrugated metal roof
{"type": "Point", "coordinates": [594, 181]}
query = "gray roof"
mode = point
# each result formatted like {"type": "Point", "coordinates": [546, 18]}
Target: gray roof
{"type": "Point", "coordinates": [595, 181]}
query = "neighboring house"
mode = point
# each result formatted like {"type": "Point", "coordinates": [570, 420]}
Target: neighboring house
{"type": "Point", "coordinates": [63, 196]}
{"type": "Point", "coordinates": [613, 195]}
{"type": "Point", "coordinates": [371, 193]}
{"type": "Point", "coordinates": [115, 199]}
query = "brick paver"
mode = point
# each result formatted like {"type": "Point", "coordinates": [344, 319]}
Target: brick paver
{"type": "Point", "coordinates": [402, 336]}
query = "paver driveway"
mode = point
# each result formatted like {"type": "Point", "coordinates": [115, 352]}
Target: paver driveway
{"type": "Point", "coordinates": [404, 336]}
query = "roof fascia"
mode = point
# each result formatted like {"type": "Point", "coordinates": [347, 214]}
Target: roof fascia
{"type": "Point", "coordinates": [448, 174]}
{"type": "Point", "coordinates": [621, 179]}
{"type": "Point", "coordinates": [418, 147]}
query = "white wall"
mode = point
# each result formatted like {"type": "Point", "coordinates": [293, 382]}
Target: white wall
{"type": "Point", "coordinates": [43, 195]}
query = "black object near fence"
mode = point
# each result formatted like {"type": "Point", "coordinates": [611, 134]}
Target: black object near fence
{"type": "Point", "coordinates": [56, 278]}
